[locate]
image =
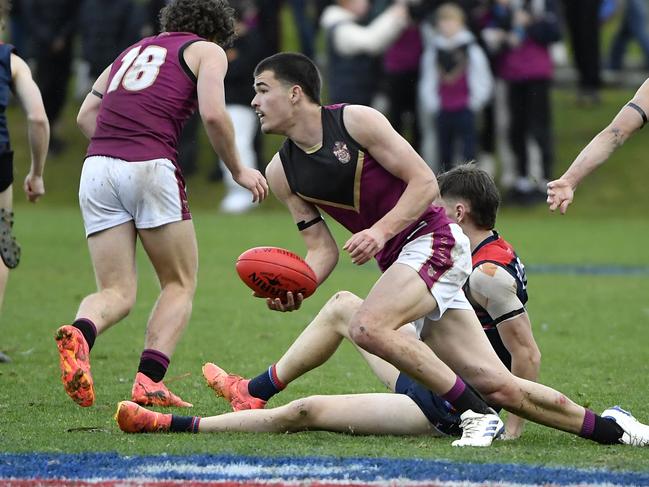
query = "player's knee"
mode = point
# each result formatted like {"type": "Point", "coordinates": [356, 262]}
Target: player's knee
{"type": "Point", "coordinates": [505, 394]}
{"type": "Point", "coordinates": [123, 298]}
{"type": "Point", "coordinates": [363, 332]}
{"type": "Point", "coordinates": [342, 306]}
{"type": "Point", "coordinates": [300, 413]}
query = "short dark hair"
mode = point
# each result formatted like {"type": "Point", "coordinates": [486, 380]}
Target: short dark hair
{"type": "Point", "coordinates": [295, 69]}
{"type": "Point", "coordinates": [477, 187]}
{"type": "Point", "coordinates": [210, 19]}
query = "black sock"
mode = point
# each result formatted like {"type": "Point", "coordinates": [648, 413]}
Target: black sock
{"type": "Point", "coordinates": [601, 430]}
{"type": "Point", "coordinates": [184, 424]}
{"type": "Point", "coordinates": [87, 329]}
{"type": "Point", "coordinates": [462, 398]}
{"type": "Point", "coordinates": [153, 364]}
{"type": "Point", "coordinates": [265, 385]}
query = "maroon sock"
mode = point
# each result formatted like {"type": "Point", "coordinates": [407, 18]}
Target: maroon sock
{"type": "Point", "coordinates": [87, 329]}
{"type": "Point", "coordinates": [463, 398]}
{"type": "Point", "coordinates": [153, 364]}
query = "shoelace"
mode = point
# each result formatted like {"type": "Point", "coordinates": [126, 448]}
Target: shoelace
{"type": "Point", "coordinates": [474, 427]}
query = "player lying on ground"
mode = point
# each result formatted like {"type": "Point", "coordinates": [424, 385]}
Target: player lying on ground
{"type": "Point", "coordinates": [631, 118]}
{"type": "Point", "coordinates": [372, 413]}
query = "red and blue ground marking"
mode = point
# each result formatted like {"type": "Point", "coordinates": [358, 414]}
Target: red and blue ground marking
{"type": "Point", "coordinates": [113, 470]}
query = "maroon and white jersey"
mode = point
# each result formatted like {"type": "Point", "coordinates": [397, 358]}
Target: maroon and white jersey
{"type": "Point", "coordinates": [345, 180]}
{"type": "Point", "coordinates": [151, 93]}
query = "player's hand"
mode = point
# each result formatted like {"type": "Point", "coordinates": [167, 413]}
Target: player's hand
{"type": "Point", "coordinates": [34, 187]}
{"type": "Point", "coordinates": [364, 245]}
{"type": "Point", "coordinates": [291, 304]}
{"type": "Point", "coordinates": [253, 181]}
{"type": "Point", "coordinates": [560, 195]}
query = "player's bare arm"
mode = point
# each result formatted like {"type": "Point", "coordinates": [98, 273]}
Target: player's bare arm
{"type": "Point", "coordinates": [209, 63]}
{"type": "Point", "coordinates": [373, 132]}
{"type": "Point", "coordinates": [629, 119]}
{"type": "Point", "coordinates": [38, 127]}
{"type": "Point", "coordinates": [493, 288]}
{"type": "Point", "coordinates": [322, 251]}
{"type": "Point", "coordinates": [87, 116]}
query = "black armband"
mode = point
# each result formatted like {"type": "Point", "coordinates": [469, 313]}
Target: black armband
{"type": "Point", "coordinates": [639, 110]}
{"type": "Point", "coordinates": [97, 94]}
{"type": "Point", "coordinates": [304, 225]}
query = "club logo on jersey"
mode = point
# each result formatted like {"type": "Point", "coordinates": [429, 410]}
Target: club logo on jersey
{"type": "Point", "coordinates": [342, 152]}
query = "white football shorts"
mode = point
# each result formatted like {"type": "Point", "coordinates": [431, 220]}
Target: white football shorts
{"type": "Point", "coordinates": [113, 191]}
{"type": "Point", "coordinates": [443, 260]}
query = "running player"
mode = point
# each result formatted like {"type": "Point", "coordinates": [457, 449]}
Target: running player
{"type": "Point", "coordinates": [16, 77]}
{"type": "Point", "coordinates": [631, 118]}
{"type": "Point", "coordinates": [131, 187]}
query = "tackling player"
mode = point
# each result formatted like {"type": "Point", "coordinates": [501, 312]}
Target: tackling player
{"type": "Point", "coordinates": [16, 78]}
{"type": "Point", "coordinates": [131, 187]}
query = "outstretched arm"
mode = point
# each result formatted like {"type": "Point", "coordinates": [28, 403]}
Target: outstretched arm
{"type": "Point", "coordinates": [38, 127]}
{"type": "Point", "coordinates": [630, 118]}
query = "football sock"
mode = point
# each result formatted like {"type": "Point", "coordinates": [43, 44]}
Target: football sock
{"type": "Point", "coordinates": [153, 364]}
{"type": "Point", "coordinates": [266, 384]}
{"type": "Point", "coordinates": [601, 430]}
{"type": "Point", "coordinates": [463, 398]}
{"type": "Point", "coordinates": [87, 329]}
{"type": "Point", "coordinates": [184, 424]}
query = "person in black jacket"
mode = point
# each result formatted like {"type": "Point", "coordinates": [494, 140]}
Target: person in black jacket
{"type": "Point", "coordinates": [52, 25]}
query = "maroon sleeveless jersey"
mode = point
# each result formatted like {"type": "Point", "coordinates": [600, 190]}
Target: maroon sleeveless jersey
{"type": "Point", "coordinates": [151, 92]}
{"type": "Point", "coordinates": [344, 180]}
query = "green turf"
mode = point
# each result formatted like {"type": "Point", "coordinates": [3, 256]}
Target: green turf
{"type": "Point", "coordinates": [590, 329]}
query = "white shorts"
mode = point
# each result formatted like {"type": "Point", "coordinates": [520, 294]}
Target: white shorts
{"type": "Point", "coordinates": [443, 260]}
{"type": "Point", "coordinates": [113, 191]}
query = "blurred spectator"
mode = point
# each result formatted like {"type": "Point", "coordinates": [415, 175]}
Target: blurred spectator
{"type": "Point", "coordinates": [400, 76]}
{"type": "Point", "coordinates": [583, 23]}
{"type": "Point", "coordinates": [633, 25]}
{"type": "Point", "coordinates": [246, 51]}
{"type": "Point", "coordinates": [18, 28]}
{"type": "Point", "coordinates": [456, 82]}
{"type": "Point", "coordinates": [353, 48]}
{"type": "Point", "coordinates": [106, 27]}
{"type": "Point", "coordinates": [520, 32]}
{"type": "Point", "coordinates": [52, 27]}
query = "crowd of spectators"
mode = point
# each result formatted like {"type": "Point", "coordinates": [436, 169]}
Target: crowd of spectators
{"type": "Point", "coordinates": [462, 80]}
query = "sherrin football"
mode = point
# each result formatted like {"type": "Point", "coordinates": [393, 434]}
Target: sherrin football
{"type": "Point", "coordinates": [272, 271]}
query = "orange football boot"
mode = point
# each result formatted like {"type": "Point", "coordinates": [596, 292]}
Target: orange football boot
{"type": "Point", "coordinates": [232, 387]}
{"type": "Point", "coordinates": [133, 418]}
{"type": "Point", "coordinates": [74, 362]}
{"type": "Point", "coordinates": [148, 393]}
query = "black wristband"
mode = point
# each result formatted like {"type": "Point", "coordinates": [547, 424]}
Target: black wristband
{"type": "Point", "coordinates": [96, 93]}
{"type": "Point", "coordinates": [639, 110]}
{"type": "Point", "coordinates": [304, 225]}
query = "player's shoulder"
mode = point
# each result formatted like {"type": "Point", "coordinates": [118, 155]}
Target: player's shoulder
{"type": "Point", "coordinates": [495, 249]}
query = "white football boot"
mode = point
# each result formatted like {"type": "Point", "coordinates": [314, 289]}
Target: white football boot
{"type": "Point", "coordinates": [635, 433]}
{"type": "Point", "coordinates": [479, 429]}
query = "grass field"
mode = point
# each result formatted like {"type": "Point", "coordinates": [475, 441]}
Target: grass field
{"type": "Point", "coordinates": [591, 328]}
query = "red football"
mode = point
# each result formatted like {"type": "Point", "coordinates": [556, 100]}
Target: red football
{"type": "Point", "coordinates": [271, 272]}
